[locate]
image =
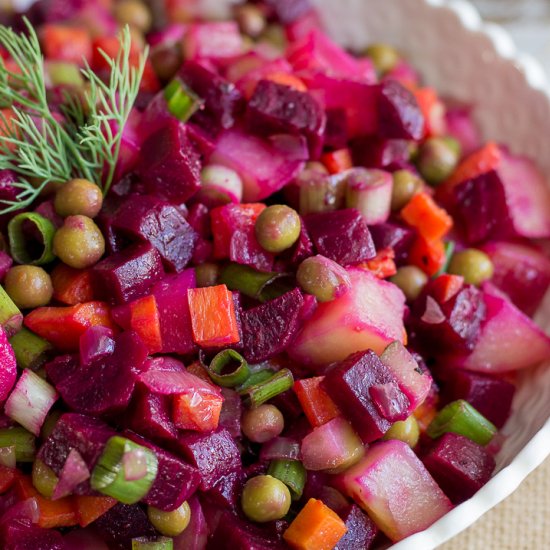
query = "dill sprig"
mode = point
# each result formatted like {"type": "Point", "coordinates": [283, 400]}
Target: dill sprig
{"type": "Point", "coordinates": [43, 147]}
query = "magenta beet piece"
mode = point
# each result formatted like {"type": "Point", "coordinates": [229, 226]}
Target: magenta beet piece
{"type": "Point", "coordinates": [214, 454]}
{"type": "Point", "coordinates": [123, 522]}
{"type": "Point", "coordinates": [96, 343]}
{"type": "Point", "coordinates": [278, 109]}
{"type": "Point", "coordinates": [227, 490]}
{"type": "Point", "coordinates": [8, 366]}
{"type": "Point", "coordinates": [269, 328]}
{"type": "Point", "coordinates": [176, 481]}
{"type": "Point", "coordinates": [461, 126]}
{"type": "Point", "coordinates": [222, 101]}
{"type": "Point", "coordinates": [377, 152]}
{"type": "Point", "coordinates": [105, 386]}
{"type": "Point", "coordinates": [460, 466]}
{"type": "Point", "coordinates": [159, 223]}
{"type": "Point", "coordinates": [492, 397]}
{"type": "Point", "coordinates": [336, 130]}
{"type": "Point", "coordinates": [199, 219]}
{"type": "Point", "coordinates": [230, 415]}
{"type": "Point", "coordinates": [361, 530]}
{"type": "Point", "coordinates": [349, 385]}
{"type": "Point", "coordinates": [342, 236]}
{"type": "Point", "coordinates": [5, 263]}
{"type": "Point", "coordinates": [24, 535]}
{"type": "Point", "coordinates": [170, 164]}
{"type": "Point", "coordinates": [75, 431]}
{"type": "Point", "coordinates": [395, 236]}
{"type": "Point", "coordinates": [175, 319]}
{"type": "Point", "coordinates": [62, 367]}
{"type": "Point", "coordinates": [195, 535]}
{"type": "Point", "coordinates": [127, 275]}
{"type": "Point", "coordinates": [399, 115]}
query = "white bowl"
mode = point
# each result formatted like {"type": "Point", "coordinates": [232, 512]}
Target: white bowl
{"type": "Point", "coordinates": [476, 63]}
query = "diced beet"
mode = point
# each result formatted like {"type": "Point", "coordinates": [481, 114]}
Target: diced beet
{"type": "Point", "coordinates": [170, 164]}
{"type": "Point", "coordinates": [361, 530]}
{"type": "Point", "coordinates": [175, 318]}
{"type": "Point", "coordinates": [377, 152]}
{"type": "Point", "coordinates": [288, 11]}
{"type": "Point", "coordinates": [400, 116]}
{"type": "Point", "coordinates": [520, 271]}
{"type": "Point", "coordinates": [278, 109]}
{"type": "Point", "coordinates": [491, 396]}
{"type": "Point", "coordinates": [342, 236]}
{"type": "Point", "coordinates": [62, 367]}
{"type": "Point", "coordinates": [230, 416]}
{"type": "Point", "coordinates": [214, 454]}
{"type": "Point", "coordinates": [195, 535]}
{"type": "Point", "coordinates": [392, 485]}
{"type": "Point", "coordinates": [8, 366]}
{"type": "Point", "coordinates": [460, 466]}
{"type": "Point", "coordinates": [105, 386]}
{"type": "Point", "coordinates": [336, 130]}
{"type": "Point", "coordinates": [159, 223]}
{"type": "Point", "coordinates": [349, 385]}
{"type": "Point", "coordinates": [227, 490]}
{"type": "Point", "coordinates": [398, 237]}
{"type": "Point", "coordinates": [23, 535]}
{"type": "Point", "coordinates": [368, 315]}
{"type": "Point", "coordinates": [269, 328]}
{"type": "Point", "coordinates": [122, 523]}
{"type": "Point", "coordinates": [222, 101]}
{"type": "Point", "coordinates": [460, 125]}
{"type": "Point", "coordinates": [199, 219]}
{"type": "Point", "coordinates": [127, 275]}
{"type": "Point", "coordinates": [75, 431]}
{"type": "Point", "coordinates": [175, 482]}
{"type": "Point", "coordinates": [264, 166]}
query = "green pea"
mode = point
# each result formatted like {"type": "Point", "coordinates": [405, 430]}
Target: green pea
{"type": "Point", "coordinates": [404, 430]}
{"type": "Point", "coordinates": [265, 498]}
{"type": "Point", "coordinates": [411, 280]}
{"type": "Point", "coordinates": [170, 524]}
{"type": "Point", "coordinates": [263, 423]}
{"type": "Point", "coordinates": [405, 186]}
{"type": "Point", "coordinates": [28, 286]}
{"type": "Point", "coordinates": [384, 57]}
{"type": "Point", "coordinates": [277, 228]}
{"type": "Point", "coordinates": [78, 196]}
{"type": "Point", "coordinates": [438, 158]}
{"type": "Point", "coordinates": [472, 264]}
{"type": "Point", "coordinates": [322, 278]}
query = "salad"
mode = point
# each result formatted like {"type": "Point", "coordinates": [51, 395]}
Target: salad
{"type": "Point", "coordinates": [258, 292]}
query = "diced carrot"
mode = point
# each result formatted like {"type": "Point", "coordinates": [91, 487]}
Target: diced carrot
{"type": "Point", "coordinates": [63, 326]}
{"type": "Point", "coordinates": [427, 217]}
{"type": "Point", "coordinates": [318, 407]}
{"type": "Point", "coordinates": [432, 109]}
{"type": "Point", "coordinates": [213, 316]}
{"type": "Point", "coordinates": [199, 371]}
{"type": "Point", "coordinates": [427, 255]}
{"type": "Point", "coordinates": [426, 412]}
{"type": "Point", "coordinates": [72, 286]}
{"type": "Point", "coordinates": [337, 161]}
{"type": "Point", "coordinates": [52, 513]}
{"type": "Point", "coordinates": [7, 477]}
{"type": "Point", "coordinates": [145, 321]}
{"type": "Point", "coordinates": [383, 264]}
{"type": "Point", "coordinates": [66, 43]}
{"type": "Point", "coordinates": [480, 162]}
{"type": "Point", "coordinates": [288, 80]}
{"type": "Point", "coordinates": [89, 508]}
{"type": "Point", "coordinates": [316, 527]}
{"type": "Point", "coordinates": [445, 287]}
{"type": "Point", "coordinates": [197, 410]}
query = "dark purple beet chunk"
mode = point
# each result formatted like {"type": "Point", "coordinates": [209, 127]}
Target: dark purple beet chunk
{"type": "Point", "coordinates": [459, 466]}
{"type": "Point", "coordinates": [214, 454]}
{"type": "Point", "coordinates": [361, 530]}
{"type": "Point", "coordinates": [342, 236]}
{"type": "Point", "coordinates": [235, 534]}
{"type": "Point", "coordinates": [122, 523]}
{"type": "Point", "coordinates": [398, 237]}
{"type": "Point", "coordinates": [176, 481]}
{"type": "Point", "coordinates": [349, 384]}
{"type": "Point", "coordinates": [227, 490]}
{"type": "Point", "coordinates": [62, 367]}
{"type": "Point", "coordinates": [170, 164]}
{"type": "Point", "coordinates": [336, 130]}
{"type": "Point", "coordinates": [376, 152]}
{"type": "Point", "coordinates": [270, 327]}
{"type": "Point", "coordinates": [161, 224]}
{"type": "Point", "coordinates": [127, 275]}
{"type": "Point", "coordinates": [288, 11]}
{"type": "Point", "coordinates": [278, 109]}
{"type": "Point", "coordinates": [303, 248]}
{"type": "Point", "coordinates": [492, 397]}
{"type": "Point", "coordinates": [199, 219]}
{"type": "Point", "coordinates": [400, 116]}
{"type": "Point", "coordinates": [23, 535]}
{"type": "Point", "coordinates": [75, 431]}
{"type": "Point", "coordinates": [480, 208]}
{"type": "Point", "coordinates": [105, 386]}
{"type": "Point", "coordinates": [230, 416]}
{"type": "Point", "coordinates": [222, 101]}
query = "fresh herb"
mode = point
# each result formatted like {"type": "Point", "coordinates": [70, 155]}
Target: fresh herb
{"type": "Point", "coordinates": [83, 140]}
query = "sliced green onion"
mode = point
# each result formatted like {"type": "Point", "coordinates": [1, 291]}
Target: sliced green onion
{"type": "Point", "coordinates": [10, 316]}
{"type": "Point", "coordinates": [262, 286]}
{"type": "Point", "coordinates": [461, 418]}
{"type": "Point", "coordinates": [182, 102]}
{"type": "Point", "coordinates": [321, 192]}
{"type": "Point", "coordinates": [30, 350]}
{"type": "Point", "coordinates": [110, 478]}
{"type": "Point", "coordinates": [21, 249]}
{"type": "Point", "coordinates": [159, 543]}
{"type": "Point", "coordinates": [278, 383]}
{"type": "Point", "coordinates": [232, 361]}
{"type": "Point", "coordinates": [257, 377]}
{"type": "Point", "coordinates": [7, 456]}
{"type": "Point", "coordinates": [22, 440]}
{"type": "Point", "coordinates": [292, 473]}
{"type": "Point", "coordinates": [449, 250]}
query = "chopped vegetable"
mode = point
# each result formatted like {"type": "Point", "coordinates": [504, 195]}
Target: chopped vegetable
{"type": "Point", "coordinates": [318, 407]}
{"type": "Point", "coordinates": [229, 369]}
{"type": "Point", "coordinates": [292, 473]}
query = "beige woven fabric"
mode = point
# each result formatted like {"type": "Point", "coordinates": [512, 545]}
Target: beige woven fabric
{"type": "Point", "coordinates": [521, 522]}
